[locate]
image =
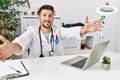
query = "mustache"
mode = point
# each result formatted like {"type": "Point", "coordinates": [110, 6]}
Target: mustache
{"type": "Point", "coordinates": [47, 21]}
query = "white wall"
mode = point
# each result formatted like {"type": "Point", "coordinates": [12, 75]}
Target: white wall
{"type": "Point", "coordinates": [74, 11]}
{"type": "Point", "coordinates": [117, 46]}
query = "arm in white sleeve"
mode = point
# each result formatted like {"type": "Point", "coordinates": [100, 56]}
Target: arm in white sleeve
{"type": "Point", "coordinates": [73, 32]}
{"type": "Point", "coordinates": [24, 39]}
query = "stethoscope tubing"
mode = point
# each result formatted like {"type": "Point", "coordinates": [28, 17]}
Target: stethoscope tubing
{"type": "Point", "coordinates": [51, 41]}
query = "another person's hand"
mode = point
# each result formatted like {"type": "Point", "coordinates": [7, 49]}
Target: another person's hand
{"type": "Point", "coordinates": [91, 26]}
{"type": "Point", "coordinates": [5, 49]}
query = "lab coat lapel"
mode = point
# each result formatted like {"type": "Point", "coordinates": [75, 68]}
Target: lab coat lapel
{"type": "Point", "coordinates": [50, 37]}
{"type": "Point", "coordinates": [45, 45]}
{"type": "Point", "coordinates": [43, 37]}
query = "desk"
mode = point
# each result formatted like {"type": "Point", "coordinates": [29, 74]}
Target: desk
{"type": "Point", "coordinates": [50, 68]}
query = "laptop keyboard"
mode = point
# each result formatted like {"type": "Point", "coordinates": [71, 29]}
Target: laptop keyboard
{"type": "Point", "coordinates": [80, 63]}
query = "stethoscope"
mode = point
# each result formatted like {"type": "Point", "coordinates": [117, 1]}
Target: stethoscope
{"type": "Point", "coordinates": [51, 41]}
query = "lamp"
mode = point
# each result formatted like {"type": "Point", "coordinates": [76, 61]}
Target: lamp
{"type": "Point", "coordinates": [103, 11]}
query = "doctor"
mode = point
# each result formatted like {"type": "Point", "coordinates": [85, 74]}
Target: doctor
{"type": "Point", "coordinates": [44, 39]}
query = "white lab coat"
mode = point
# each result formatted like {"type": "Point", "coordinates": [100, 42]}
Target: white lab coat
{"type": "Point", "coordinates": [31, 38]}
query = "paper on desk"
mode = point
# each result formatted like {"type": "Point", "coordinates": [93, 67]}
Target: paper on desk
{"type": "Point", "coordinates": [5, 70]}
{"type": "Point", "coordinates": [17, 65]}
{"type": "Point", "coordinates": [5, 67]}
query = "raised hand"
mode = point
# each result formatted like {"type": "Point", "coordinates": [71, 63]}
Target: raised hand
{"type": "Point", "coordinates": [92, 26]}
{"type": "Point", "coordinates": [4, 48]}
{"type": "Point", "coordinates": [7, 48]}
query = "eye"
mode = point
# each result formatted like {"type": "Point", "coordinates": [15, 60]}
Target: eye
{"type": "Point", "coordinates": [51, 15]}
{"type": "Point", "coordinates": [44, 15]}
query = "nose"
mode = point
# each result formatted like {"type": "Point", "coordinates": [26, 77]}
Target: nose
{"type": "Point", "coordinates": [47, 17]}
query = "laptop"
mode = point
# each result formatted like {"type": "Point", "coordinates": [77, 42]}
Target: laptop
{"type": "Point", "coordinates": [82, 62]}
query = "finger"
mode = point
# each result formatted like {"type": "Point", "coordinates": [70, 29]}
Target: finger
{"type": "Point", "coordinates": [86, 19]}
{"type": "Point", "coordinates": [98, 22]}
{"type": "Point", "coordinates": [3, 39]}
{"type": "Point", "coordinates": [4, 58]}
{"type": "Point", "coordinates": [100, 26]}
{"type": "Point", "coordinates": [0, 56]}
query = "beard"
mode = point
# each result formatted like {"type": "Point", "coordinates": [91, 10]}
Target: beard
{"type": "Point", "coordinates": [47, 24]}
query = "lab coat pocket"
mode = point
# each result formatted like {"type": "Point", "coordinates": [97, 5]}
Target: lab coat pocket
{"type": "Point", "coordinates": [56, 43]}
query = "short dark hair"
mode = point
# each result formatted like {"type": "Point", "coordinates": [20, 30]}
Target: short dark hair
{"type": "Point", "coordinates": [48, 7]}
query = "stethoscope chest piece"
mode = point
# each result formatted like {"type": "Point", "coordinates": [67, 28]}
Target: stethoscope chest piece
{"type": "Point", "coordinates": [51, 53]}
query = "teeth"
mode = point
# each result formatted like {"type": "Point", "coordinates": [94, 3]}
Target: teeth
{"type": "Point", "coordinates": [47, 23]}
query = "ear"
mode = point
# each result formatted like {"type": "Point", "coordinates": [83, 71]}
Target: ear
{"type": "Point", "coordinates": [39, 17]}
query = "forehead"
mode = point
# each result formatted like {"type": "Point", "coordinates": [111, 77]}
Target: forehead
{"type": "Point", "coordinates": [46, 11]}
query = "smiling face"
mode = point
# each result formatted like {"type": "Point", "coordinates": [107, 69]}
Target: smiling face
{"type": "Point", "coordinates": [46, 18]}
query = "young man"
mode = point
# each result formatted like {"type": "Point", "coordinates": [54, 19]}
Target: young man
{"type": "Point", "coordinates": [44, 39]}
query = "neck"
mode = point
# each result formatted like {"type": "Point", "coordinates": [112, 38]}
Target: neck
{"type": "Point", "coordinates": [45, 30]}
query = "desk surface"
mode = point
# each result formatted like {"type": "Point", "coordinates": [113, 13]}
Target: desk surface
{"type": "Point", "coordinates": [50, 68]}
